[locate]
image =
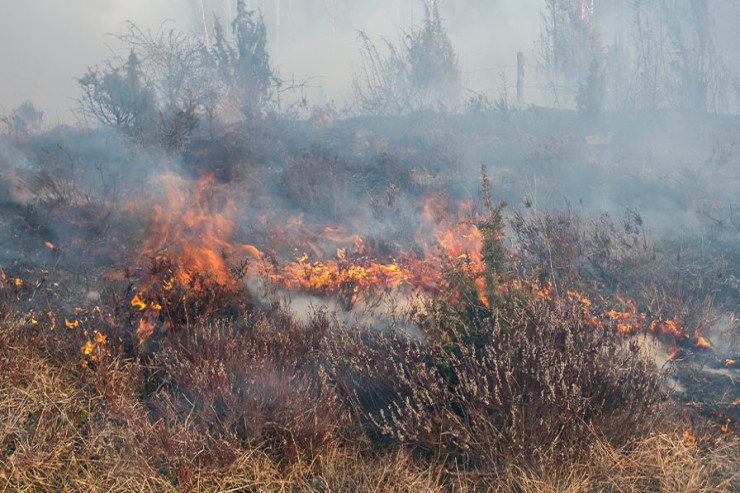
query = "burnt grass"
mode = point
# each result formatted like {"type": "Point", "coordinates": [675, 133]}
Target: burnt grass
{"type": "Point", "coordinates": [239, 389]}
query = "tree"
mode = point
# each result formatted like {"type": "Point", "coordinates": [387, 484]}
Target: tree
{"type": "Point", "coordinates": [245, 65]}
{"type": "Point", "coordinates": [568, 43]}
{"type": "Point", "coordinates": [173, 80]}
{"type": "Point", "coordinates": [26, 119]}
{"type": "Point", "coordinates": [432, 60]}
{"type": "Point", "coordinates": [116, 96]}
{"type": "Point", "coordinates": [422, 73]}
{"type": "Point", "coordinates": [592, 94]}
{"type": "Point", "coordinates": [676, 64]}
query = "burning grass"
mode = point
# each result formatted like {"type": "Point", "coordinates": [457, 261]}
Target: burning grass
{"type": "Point", "coordinates": [176, 360]}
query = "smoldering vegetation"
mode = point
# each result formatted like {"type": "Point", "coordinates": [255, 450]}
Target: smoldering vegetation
{"type": "Point", "coordinates": [211, 285]}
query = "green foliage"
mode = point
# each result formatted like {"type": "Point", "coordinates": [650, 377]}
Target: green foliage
{"type": "Point", "coordinates": [478, 298]}
{"type": "Point", "coordinates": [592, 94]}
{"type": "Point", "coordinates": [494, 253]}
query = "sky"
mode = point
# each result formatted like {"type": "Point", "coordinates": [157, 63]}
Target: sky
{"type": "Point", "coordinates": [48, 43]}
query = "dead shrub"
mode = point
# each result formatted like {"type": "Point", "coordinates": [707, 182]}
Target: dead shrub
{"type": "Point", "coordinates": [252, 383]}
{"type": "Point", "coordinates": [319, 182]}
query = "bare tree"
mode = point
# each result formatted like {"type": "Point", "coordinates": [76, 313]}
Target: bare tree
{"type": "Point", "coordinates": [569, 42]}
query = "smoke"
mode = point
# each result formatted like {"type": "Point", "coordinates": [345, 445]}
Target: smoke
{"type": "Point", "coordinates": [312, 41]}
{"type": "Point", "coordinates": [54, 43]}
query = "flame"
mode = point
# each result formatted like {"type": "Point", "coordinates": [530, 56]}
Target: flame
{"type": "Point", "coordinates": [726, 427]}
{"type": "Point", "coordinates": [146, 328]}
{"type": "Point", "coordinates": [730, 362]}
{"type": "Point", "coordinates": [138, 303]}
{"type": "Point", "coordinates": [49, 245]}
{"type": "Point", "coordinates": [191, 235]}
{"type": "Point", "coordinates": [673, 354]}
{"type": "Point", "coordinates": [71, 325]}
{"type": "Point", "coordinates": [701, 341]}
{"type": "Point", "coordinates": [689, 438]}
{"type": "Point", "coordinates": [193, 229]}
{"type": "Point", "coordinates": [94, 348]}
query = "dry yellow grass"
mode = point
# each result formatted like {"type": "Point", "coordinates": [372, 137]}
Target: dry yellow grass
{"type": "Point", "coordinates": [67, 429]}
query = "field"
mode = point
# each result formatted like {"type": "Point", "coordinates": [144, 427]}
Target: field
{"type": "Point", "coordinates": [348, 304]}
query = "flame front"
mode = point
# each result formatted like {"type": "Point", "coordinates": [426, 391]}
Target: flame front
{"type": "Point", "coordinates": [191, 234]}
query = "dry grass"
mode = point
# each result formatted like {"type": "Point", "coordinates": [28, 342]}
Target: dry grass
{"type": "Point", "coordinates": [68, 429]}
{"type": "Point", "coordinates": [660, 462]}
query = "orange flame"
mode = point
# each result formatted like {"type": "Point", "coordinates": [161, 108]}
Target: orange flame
{"type": "Point", "coordinates": [146, 328]}
{"type": "Point", "coordinates": [701, 342]}
{"type": "Point", "coordinates": [137, 302]}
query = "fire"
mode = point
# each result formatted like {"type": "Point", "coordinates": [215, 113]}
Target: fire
{"type": "Point", "coordinates": [191, 237]}
{"type": "Point", "coordinates": [689, 438]}
{"type": "Point", "coordinates": [94, 348]}
{"type": "Point", "coordinates": [673, 354]}
{"type": "Point", "coordinates": [726, 427]}
{"type": "Point", "coordinates": [701, 341]}
{"type": "Point", "coordinates": [192, 230]}
{"type": "Point", "coordinates": [138, 303]}
{"type": "Point", "coordinates": [146, 328]}
{"type": "Point", "coordinates": [190, 243]}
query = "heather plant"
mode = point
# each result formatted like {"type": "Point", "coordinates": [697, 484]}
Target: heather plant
{"type": "Point", "coordinates": [319, 182]}
{"type": "Point", "coordinates": [512, 378]}
{"type": "Point", "coordinates": [538, 387]}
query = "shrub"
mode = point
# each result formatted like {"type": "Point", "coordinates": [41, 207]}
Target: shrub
{"type": "Point", "coordinates": [423, 73]}
{"type": "Point", "coordinates": [514, 378]}
{"type": "Point", "coordinates": [318, 182]}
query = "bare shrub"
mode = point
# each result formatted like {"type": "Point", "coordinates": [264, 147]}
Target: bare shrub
{"type": "Point", "coordinates": [257, 383]}
{"type": "Point", "coordinates": [422, 73]}
{"type": "Point", "coordinates": [319, 182]}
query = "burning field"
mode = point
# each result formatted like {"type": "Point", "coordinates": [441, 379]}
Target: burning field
{"type": "Point", "coordinates": [341, 319]}
{"type": "Point", "coordinates": [215, 289]}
